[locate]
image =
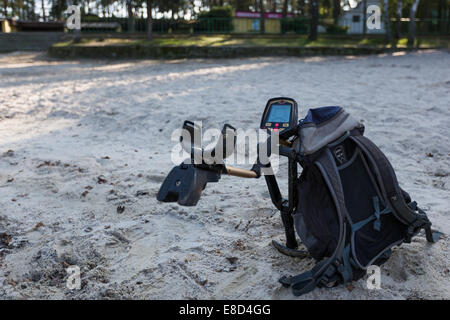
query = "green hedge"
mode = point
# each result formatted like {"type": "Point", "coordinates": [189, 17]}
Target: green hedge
{"type": "Point", "coordinates": [216, 20]}
{"type": "Point", "coordinates": [178, 52]}
{"type": "Point", "coordinates": [336, 29]}
{"type": "Point", "coordinates": [217, 12]}
{"type": "Point", "coordinates": [295, 25]}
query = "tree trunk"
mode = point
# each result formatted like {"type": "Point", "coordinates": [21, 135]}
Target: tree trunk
{"type": "Point", "coordinates": [5, 7]}
{"type": "Point", "coordinates": [336, 10]}
{"type": "Point", "coordinates": [398, 18]}
{"type": "Point", "coordinates": [43, 10]}
{"type": "Point", "coordinates": [427, 24]}
{"type": "Point", "coordinates": [60, 9]}
{"type": "Point", "coordinates": [387, 21]}
{"type": "Point", "coordinates": [442, 14]}
{"type": "Point", "coordinates": [301, 5]}
{"type": "Point", "coordinates": [285, 8]}
{"type": "Point", "coordinates": [149, 19]}
{"type": "Point", "coordinates": [30, 12]}
{"type": "Point", "coordinates": [412, 23]}
{"type": "Point", "coordinates": [262, 26]}
{"type": "Point", "coordinates": [364, 17]}
{"type": "Point", "coordinates": [130, 17]}
{"type": "Point", "coordinates": [12, 6]}
{"type": "Point", "coordinates": [314, 7]}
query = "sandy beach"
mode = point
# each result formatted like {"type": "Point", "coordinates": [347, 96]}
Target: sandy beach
{"type": "Point", "coordinates": [85, 145]}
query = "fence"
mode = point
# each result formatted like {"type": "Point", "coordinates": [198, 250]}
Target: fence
{"type": "Point", "coordinates": [299, 25]}
{"type": "Point", "coordinates": [200, 26]}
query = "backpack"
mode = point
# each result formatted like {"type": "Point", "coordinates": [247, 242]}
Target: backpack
{"type": "Point", "coordinates": [350, 208]}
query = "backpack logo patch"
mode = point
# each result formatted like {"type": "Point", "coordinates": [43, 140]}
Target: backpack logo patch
{"type": "Point", "coordinates": [340, 154]}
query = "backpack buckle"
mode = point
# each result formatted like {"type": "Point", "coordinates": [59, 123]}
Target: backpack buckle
{"type": "Point", "coordinates": [329, 277]}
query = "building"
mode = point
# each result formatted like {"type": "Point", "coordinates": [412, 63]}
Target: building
{"type": "Point", "coordinates": [353, 19]}
{"type": "Point", "coordinates": [13, 25]}
{"type": "Point", "coordinates": [248, 22]}
{"type": "Point", "coordinates": [8, 25]}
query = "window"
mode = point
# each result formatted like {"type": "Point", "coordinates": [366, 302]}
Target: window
{"type": "Point", "coordinates": [356, 18]}
{"type": "Point", "coordinates": [255, 24]}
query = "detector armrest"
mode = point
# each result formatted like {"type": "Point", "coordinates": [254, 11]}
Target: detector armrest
{"type": "Point", "coordinates": [191, 141]}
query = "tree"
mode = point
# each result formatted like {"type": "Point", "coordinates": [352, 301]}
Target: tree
{"type": "Point", "coordinates": [272, 4]}
{"type": "Point", "coordinates": [387, 20]}
{"type": "Point", "coordinates": [285, 8]}
{"type": "Point", "coordinates": [174, 6]}
{"type": "Point", "coordinates": [261, 9]}
{"type": "Point", "coordinates": [149, 19]}
{"type": "Point", "coordinates": [130, 16]}
{"type": "Point", "coordinates": [31, 15]}
{"type": "Point", "coordinates": [5, 8]}
{"type": "Point", "coordinates": [364, 17]}
{"type": "Point", "coordinates": [58, 7]}
{"type": "Point", "coordinates": [314, 8]}
{"type": "Point", "coordinates": [412, 23]}
{"type": "Point", "coordinates": [240, 5]}
{"type": "Point", "coordinates": [43, 10]}
{"type": "Point", "coordinates": [442, 14]}
{"type": "Point", "coordinates": [301, 7]}
{"type": "Point", "coordinates": [336, 10]}
{"type": "Point", "coordinates": [324, 7]}
{"type": "Point", "coordinates": [398, 17]}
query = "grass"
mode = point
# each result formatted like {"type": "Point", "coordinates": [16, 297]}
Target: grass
{"type": "Point", "coordinates": [233, 40]}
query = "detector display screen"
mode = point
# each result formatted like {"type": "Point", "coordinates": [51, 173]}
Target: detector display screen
{"type": "Point", "coordinates": [279, 113]}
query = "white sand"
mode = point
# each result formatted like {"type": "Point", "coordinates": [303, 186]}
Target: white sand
{"type": "Point", "coordinates": [61, 118]}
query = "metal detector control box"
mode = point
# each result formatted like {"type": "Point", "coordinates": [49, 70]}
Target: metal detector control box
{"type": "Point", "coordinates": [281, 116]}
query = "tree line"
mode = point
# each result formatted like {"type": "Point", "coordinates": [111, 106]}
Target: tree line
{"type": "Point", "coordinates": [46, 10]}
{"type": "Point", "coordinates": [53, 10]}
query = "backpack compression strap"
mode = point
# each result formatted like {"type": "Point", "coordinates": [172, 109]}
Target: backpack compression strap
{"type": "Point", "coordinates": [409, 214]}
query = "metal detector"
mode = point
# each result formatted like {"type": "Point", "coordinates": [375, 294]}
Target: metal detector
{"type": "Point", "coordinates": [185, 182]}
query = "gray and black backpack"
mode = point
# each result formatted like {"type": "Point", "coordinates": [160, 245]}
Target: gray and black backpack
{"type": "Point", "coordinates": [350, 208]}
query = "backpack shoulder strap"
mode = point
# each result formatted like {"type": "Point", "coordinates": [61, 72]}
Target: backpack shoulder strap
{"type": "Point", "coordinates": [331, 269]}
{"type": "Point", "coordinates": [408, 214]}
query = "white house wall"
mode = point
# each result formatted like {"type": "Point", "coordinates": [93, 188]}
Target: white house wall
{"type": "Point", "coordinates": [346, 19]}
